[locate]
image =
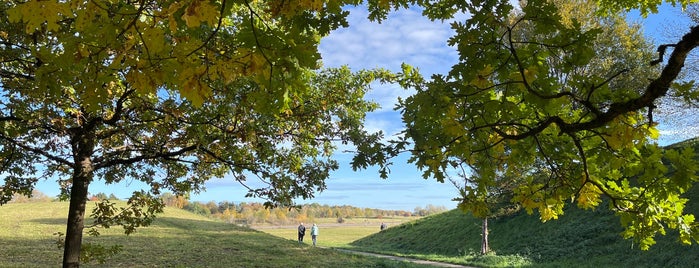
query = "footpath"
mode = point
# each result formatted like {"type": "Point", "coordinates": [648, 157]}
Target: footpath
{"type": "Point", "coordinates": [396, 258]}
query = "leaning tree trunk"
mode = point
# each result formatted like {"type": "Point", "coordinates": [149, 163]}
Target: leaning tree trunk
{"type": "Point", "coordinates": [83, 145]}
{"type": "Point", "coordinates": [484, 241]}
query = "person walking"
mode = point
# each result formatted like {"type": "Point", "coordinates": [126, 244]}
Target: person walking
{"type": "Point", "coordinates": [314, 233]}
{"type": "Point", "coordinates": [302, 232]}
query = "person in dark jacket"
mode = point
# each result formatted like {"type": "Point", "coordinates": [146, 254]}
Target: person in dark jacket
{"type": "Point", "coordinates": [302, 232]}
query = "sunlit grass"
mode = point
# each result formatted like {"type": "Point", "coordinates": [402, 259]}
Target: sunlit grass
{"type": "Point", "coordinates": [176, 239]}
{"type": "Point", "coordinates": [333, 236]}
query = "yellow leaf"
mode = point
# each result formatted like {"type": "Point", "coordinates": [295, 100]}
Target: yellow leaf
{"type": "Point", "coordinates": [589, 196]}
{"type": "Point", "coordinates": [530, 73]}
{"type": "Point", "coordinates": [200, 11]}
{"type": "Point", "coordinates": [143, 83]}
{"type": "Point", "coordinates": [191, 91]}
{"type": "Point", "coordinates": [482, 77]}
{"type": "Point", "coordinates": [547, 214]}
{"type": "Point", "coordinates": [154, 38]}
{"type": "Point", "coordinates": [35, 13]}
{"type": "Point", "coordinates": [653, 132]}
{"type": "Point", "coordinates": [190, 15]}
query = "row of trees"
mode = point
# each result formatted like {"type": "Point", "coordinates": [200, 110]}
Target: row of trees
{"type": "Point", "coordinates": [37, 196]}
{"type": "Point", "coordinates": [251, 213]}
{"type": "Point", "coordinates": [257, 213]}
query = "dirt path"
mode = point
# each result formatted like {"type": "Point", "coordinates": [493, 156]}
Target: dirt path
{"type": "Point", "coordinates": [396, 258]}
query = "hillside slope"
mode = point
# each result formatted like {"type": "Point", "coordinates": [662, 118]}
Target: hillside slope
{"type": "Point", "coordinates": [177, 238]}
{"type": "Point", "coordinates": [582, 238]}
{"type": "Point", "coordinates": [579, 238]}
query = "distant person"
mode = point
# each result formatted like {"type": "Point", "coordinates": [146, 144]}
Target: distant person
{"type": "Point", "coordinates": [314, 233]}
{"type": "Point", "coordinates": [383, 226]}
{"type": "Point", "coordinates": [302, 232]}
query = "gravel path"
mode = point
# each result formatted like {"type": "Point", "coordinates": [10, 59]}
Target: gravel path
{"type": "Point", "coordinates": [433, 263]}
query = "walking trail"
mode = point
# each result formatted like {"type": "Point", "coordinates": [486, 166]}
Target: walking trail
{"type": "Point", "coordinates": [396, 258]}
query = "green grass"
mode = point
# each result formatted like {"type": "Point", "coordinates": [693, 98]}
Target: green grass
{"type": "Point", "coordinates": [176, 239]}
{"type": "Point", "coordinates": [579, 238]}
{"type": "Point", "coordinates": [332, 236]}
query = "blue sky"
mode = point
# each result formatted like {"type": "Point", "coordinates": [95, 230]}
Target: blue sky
{"type": "Point", "coordinates": [404, 37]}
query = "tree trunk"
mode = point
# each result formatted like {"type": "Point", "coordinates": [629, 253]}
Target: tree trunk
{"type": "Point", "coordinates": [82, 145]}
{"type": "Point", "coordinates": [484, 242]}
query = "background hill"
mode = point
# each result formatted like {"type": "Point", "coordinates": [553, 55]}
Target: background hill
{"type": "Point", "coordinates": [579, 238]}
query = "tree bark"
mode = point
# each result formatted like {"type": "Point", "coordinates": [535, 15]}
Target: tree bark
{"type": "Point", "coordinates": [484, 242]}
{"type": "Point", "coordinates": [83, 146]}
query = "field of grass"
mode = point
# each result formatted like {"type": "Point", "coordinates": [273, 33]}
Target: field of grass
{"type": "Point", "coordinates": [176, 239]}
{"type": "Point", "coordinates": [333, 234]}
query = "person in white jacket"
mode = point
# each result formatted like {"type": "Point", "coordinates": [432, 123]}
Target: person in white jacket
{"type": "Point", "coordinates": [314, 233]}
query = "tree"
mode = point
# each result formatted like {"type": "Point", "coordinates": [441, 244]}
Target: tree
{"type": "Point", "coordinates": [617, 45]}
{"type": "Point", "coordinates": [540, 93]}
{"type": "Point", "coordinates": [493, 202]}
{"type": "Point", "coordinates": [100, 196]}
{"type": "Point", "coordinates": [171, 93]}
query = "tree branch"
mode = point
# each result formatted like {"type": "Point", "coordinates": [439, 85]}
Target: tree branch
{"type": "Point", "coordinates": [139, 158]}
{"type": "Point", "coordinates": [656, 89]}
{"type": "Point", "coordinates": [37, 151]}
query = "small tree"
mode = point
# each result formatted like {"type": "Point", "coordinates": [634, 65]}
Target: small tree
{"type": "Point", "coordinates": [489, 203]}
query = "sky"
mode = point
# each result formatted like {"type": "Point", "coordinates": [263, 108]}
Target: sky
{"type": "Point", "coordinates": [404, 37]}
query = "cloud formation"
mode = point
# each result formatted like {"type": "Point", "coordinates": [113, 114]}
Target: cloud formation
{"type": "Point", "coordinates": [404, 37]}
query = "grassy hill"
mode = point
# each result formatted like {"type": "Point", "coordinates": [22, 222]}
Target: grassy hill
{"type": "Point", "coordinates": [176, 239]}
{"type": "Point", "coordinates": [579, 238]}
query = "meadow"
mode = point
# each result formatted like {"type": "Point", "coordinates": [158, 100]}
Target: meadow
{"type": "Point", "coordinates": [333, 234]}
{"type": "Point", "coordinates": [179, 238]}
{"type": "Point", "coordinates": [176, 238]}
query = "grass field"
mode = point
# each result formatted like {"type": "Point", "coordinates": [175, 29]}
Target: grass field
{"type": "Point", "coordinates": [333, 234]}
{"type": "Point", "coordinates": [176, 239]}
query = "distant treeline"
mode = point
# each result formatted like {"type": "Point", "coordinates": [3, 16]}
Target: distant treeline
{"type": "Point", "coordinates": [37, 196]}
{"type": "Point", "coordinates": [256, 213]}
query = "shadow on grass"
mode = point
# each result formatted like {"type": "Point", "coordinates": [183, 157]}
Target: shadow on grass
{"type": "Point", "coordinates": [50, 221]}
{"type": "Point", "coordinates": [183, 242]}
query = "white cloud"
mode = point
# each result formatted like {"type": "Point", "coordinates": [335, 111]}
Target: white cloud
{"type": "Point", "coordinates": [405, 36]}
{"type": "Point", "coordinates": [387, 95]}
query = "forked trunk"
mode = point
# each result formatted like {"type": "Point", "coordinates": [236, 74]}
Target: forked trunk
{"type": "Point", "coordinates": [82, 145]}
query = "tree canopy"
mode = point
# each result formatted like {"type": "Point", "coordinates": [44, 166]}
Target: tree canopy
{"type": "Point", "coordinates": [171, 93]}
{"type": "Point", "coordinates": [559, 106]}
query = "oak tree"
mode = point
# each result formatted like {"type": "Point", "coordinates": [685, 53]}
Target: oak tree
{"type": "Point", "coordinates": [171, 93]}
{"type": "Point", "coordinates": [563, 106]}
